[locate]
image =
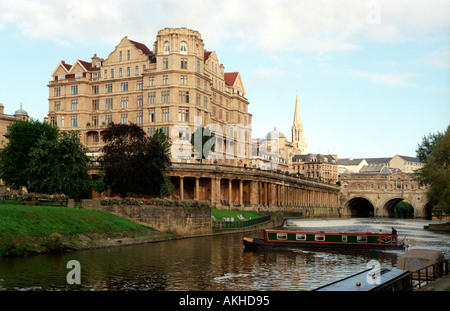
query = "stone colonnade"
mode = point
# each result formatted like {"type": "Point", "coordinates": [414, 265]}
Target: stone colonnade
{"type": "Point", "coordinates": [249, 189]}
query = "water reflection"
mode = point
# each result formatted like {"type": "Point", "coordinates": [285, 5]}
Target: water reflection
{"type": "Point", "coordinates": [215, 263]}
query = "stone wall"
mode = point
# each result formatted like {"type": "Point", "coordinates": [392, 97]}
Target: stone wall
{"type": "Point", "coordinates": [183, 221]}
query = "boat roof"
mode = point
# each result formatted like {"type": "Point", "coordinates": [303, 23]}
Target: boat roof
{"type": "Point", "coordinates": [323, 232]}
{"type": "Point", "coordinates": [350, 283]}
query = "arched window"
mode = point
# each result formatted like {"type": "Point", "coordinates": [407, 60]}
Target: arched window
{"type": "Point", "coordinates": [167, 46]}
{"type": "Point", "coordinates": [183, 47]}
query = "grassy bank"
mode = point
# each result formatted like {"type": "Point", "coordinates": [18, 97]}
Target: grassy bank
{"type": "Point", "coordinates": [26, 229]}
{"type": "Point", "coordinates": [220, 213]}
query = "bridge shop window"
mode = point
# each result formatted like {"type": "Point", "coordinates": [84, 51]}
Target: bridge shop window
{"type": "Point", "coordinates": [281, 236]}
{"type": "Point", "coordinates": [300, 237]}
{"type": "Point", "coordinates": [320, 237]}
{"type": "Point", "coordinates": [361, 239]}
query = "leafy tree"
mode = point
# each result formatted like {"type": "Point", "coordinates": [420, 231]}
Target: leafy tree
{"type": "Point", "coordinates": [425, 149]}
{"type": "Point", "coordinates": [60, 166]}
{"type": "Point", "coordinates": [204, 142]}
{"type": "Point", "coordinates": [132, 162]}
{"type": "Point", "coordinates": [404, 210]}
{"type": "Point", "coordinates": [436, 173]}
{"type": "Point", "coordinates": [15, 159]}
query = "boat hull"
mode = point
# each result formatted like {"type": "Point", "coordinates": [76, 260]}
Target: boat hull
{"type": "Point", "coordinates": [255, 243]}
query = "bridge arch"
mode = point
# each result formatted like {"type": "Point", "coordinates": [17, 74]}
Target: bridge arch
{"type": "Point", "coordinates": [360, 207]}
{"type": "Point", "coordinates": [389, 205]}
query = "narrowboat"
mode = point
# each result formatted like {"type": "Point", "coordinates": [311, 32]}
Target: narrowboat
{"type": "Point", "coordinates": [287, 238]}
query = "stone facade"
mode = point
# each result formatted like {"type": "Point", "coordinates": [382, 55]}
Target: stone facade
{"type": "Point", "coordinates": [7, 120]}
{"type": "Point", "coordinates": [377, 194]}
{"type": "Point", "coordinates": [317, 166]}
{"type": "Point", "coordinates": [175, 87]}
{"type": "Point", "coordinates": [245, 188]}
{"type": "Point", "coordinates": [183, 221]}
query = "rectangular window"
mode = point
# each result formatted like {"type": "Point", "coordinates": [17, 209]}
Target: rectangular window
{"type": "Point", "coordinates": [128, 54]}
{"type": "Point", "coordinates": [361, 238]}
{"type": "Point", "coordinates": [151, 116]}
{"type": "Point", "coordinates": [74, 121]}
{"type": "Point", "coordinates": [124, 101]}
{"type": "Point", "coordinates": [124, 86]}
{"type": "Point", "coordinates": [151, 131]}
{"type": "Point", "coordinates": [95, 104]}
{"type": "Point", "coordinates": [74, 104]}
{"type": "Point", "coordinates": [320, 237]}
{"type": "Point", "coordinates": [344, 238]}
{"type": "Point", "coordinates": [183, 115]}
{"type": "Point", "coordinates": [108, 88]}
{"type": "Point", "coordinates": [120, 72]}
{"type": "Point", "coordinates": [124, 118]}
{"type": "Point", "coordinates": [165, 63]}
{"type": "Point", "coordinates": [95, 121]}
{"type": "Point", "coordinates": [165, 114]}
{"type": "Point", "coordinates": [165, 79]}
{"type": "Point", "coordinates": [74, 89]}
{"type": "Point", "coordinates": [184, 63]}
{"type": "Point", "coordinates": [54, 120]}
{"type": "Point", "coordinates": [137, 70]}
{"type": "Point", "coordinates": [57, 106]}
{"type": "Point", "coordinates": [140, 85]}
{"type": "Point", "coordinates": [95, 89]}
{"type": "Point", "coordinates": [57, 91]}
{"type": "Point", "coordinates": [165, 131]}
{"type": "Point", "coordinates": [282, 236]}
{"type": "Point", "coordinates": [183, 80]}
{"type": "Point", "coordinates": [165, 97]}
{"type": "Point", "coordinates": [184, 97]}
{"type": "Point", "coordinates": [139, 118]}
{"type": "Point", "coordinates": [108, 119]}
{"type": "Point", "coordinates": [300, 237]}
{"type": "Point", "coordinates": [151, 81]}
{"type": "Point", "coordinates": [152, 98]}
{"type": "Point", "coordinates": [109, 103]}
{"type": "Point", "coordinates": [183, 133]}
{"type": "Point", "coordinates": [112, 73]}
{"type": "Point", "coordinates": [140, 100]}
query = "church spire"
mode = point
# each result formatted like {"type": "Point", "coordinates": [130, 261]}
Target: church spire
{"type": "Point", "coordinates": [298, 138]}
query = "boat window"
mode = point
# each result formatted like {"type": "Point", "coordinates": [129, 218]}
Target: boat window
{"type": "Point", "coordinates": [361, 238]}
{"type": "Point", "coordinates": [281, 236]}
{"type": "Point", "coordinates": [320, 237]}
{"type": "Point", "coordinates": [300, 237]}
{"type": "Point", "coordinates": [344, 238]}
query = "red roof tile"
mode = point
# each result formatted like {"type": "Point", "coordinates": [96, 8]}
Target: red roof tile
{"type": "Point", "coordinates": [230, 77]}
{"type": "Point", "coordinates": [142, 47]}
{"type": "Point", "coordinates": [206, 55]}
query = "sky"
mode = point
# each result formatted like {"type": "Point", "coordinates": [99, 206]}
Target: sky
{"type": "Point", "coordinates": [372, 76]}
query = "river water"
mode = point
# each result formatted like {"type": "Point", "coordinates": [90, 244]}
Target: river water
{"type": "Point", "coordinates": [216, 263]}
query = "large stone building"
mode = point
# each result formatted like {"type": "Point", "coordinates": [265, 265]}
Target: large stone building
{"type": "Point", "coordinates": [177, 87]}
{"type": "Point", "coordinates": [7, 120]}
{"type": "Point", "coordinates": [317, 166]}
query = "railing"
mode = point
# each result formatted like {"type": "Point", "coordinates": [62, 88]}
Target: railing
{"type": "Point", "coordinates": [416, 279]}
{"type": "Point", "coordinates": [232, 224]}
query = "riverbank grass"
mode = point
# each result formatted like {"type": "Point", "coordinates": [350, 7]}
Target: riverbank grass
{"type": "Point", "coordinates": [219, 214]}
{"type": "Point", "coordinates": [27, 229]}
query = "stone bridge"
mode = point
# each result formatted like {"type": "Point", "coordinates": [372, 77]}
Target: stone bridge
{"type": "Point", "coordinates": [231, 187]}
{"type": "Point", "coordinates": [376, 195]}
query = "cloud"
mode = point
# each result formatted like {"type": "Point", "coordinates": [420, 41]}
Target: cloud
{"type": "Point", "coordinates": [439, 58]}
{"type": "Point", "coordinates": [392, 80]}
{"type": "Point", "coordinates": [321, 26]}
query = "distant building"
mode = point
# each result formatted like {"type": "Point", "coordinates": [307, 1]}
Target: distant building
{"type": "Point", "coordinates": [298, 136]}
{"type": "Point", "coordinates": [7, 120]}
{"type": "Point", "coordinates": [317, 166]}
{"type": "Point", "coordinates": [379, 165]}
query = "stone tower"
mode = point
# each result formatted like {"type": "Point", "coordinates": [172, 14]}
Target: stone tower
{"type": "Point", "coordinates": [298, 137]}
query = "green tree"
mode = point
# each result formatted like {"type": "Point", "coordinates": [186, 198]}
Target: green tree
{"type": "Point", "coordinates": [60, 166]}
{"type": "Point", "coordinates": [132, 162]}
{"type": "Point", "coordinates": [436, 173]}
{"type": "Point", "coordinates": [204, 142]}
{"type": "Point", "coordinates": [403, 210]}
{"type": "Point", "coordinates": [15, 159]}
{"type": "Point", "coordinates": [425, 149]}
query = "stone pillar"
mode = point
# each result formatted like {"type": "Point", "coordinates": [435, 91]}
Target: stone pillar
{"type": "Point", "coordinates": [230, 193]}
{"type": "Point", "coordinates": [197, 188]}
{"type": "Point", "coordinates": [181, 188]}
{"type": "Point", "coordinates": [241, 192]}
